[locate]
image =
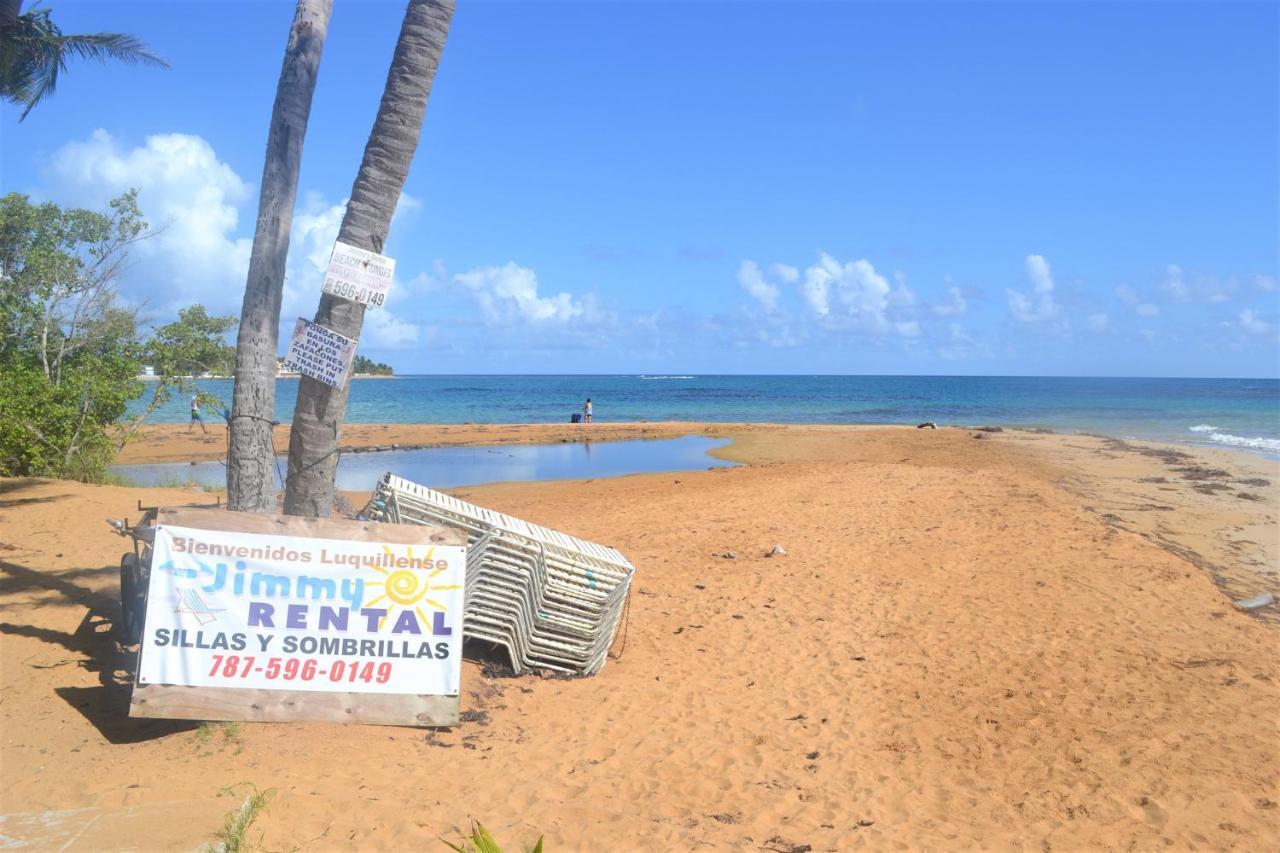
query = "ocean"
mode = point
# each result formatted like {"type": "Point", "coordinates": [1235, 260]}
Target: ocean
{"type": "Point", "coordinates": [1229, 413]}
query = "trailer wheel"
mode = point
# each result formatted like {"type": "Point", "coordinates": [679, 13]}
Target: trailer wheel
{"type": "Point", "coordinates": [133, 599]}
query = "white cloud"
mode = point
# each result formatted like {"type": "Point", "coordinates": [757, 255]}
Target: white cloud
{"type": "Point", "coordinates": [861, 295]}
{"type": "Point", "coordinates": [902, 296]}
{"type": "Point", "coordinates": [1128, 294]}
{"type": "Point", "coordinates": [430, 280]}
{"type": "Point", "coordinates": [508, 295]}
{"type": "Point", "coordinates": [1251, 323]}
{"type": "Point", "coordinates": [1099, 322]}
{"type": "Point", "coordinates": [190, 197]}
{"type": "Point", "coordinates": [787, 274]}
{"type": "Point", "coordinates": [955, 307]}
{"type": "Point", "coordinates": [1266, 283]}
{"type": "Point", "coordinates": [194, 201]}
{"type": "Point", "coordinates": [1039, 304]}
{"type": "Point", "coordinates": [1175, 282]}
{"type": "Point", "coordinates": [315, 230]}
{"type": "Point", "coordinates": [383, 330]}
{"type": "Point", "coordinates": [752, 281]}
{"type": "Point", "coordinates": [1147, 309]}
{"type": "Point", "coordinates": [961, 346]}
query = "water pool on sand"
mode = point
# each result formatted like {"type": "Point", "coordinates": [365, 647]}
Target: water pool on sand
{"type": "Point", "coordinates": [448, 467]}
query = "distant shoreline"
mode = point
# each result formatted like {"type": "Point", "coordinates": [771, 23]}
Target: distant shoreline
{"type": "Point", "coordinates": [145, 378]}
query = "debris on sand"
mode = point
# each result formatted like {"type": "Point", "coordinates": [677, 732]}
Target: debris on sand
{"type": "Point", "coordinates": [1257, 602]}
{"type": "Point", "coordinates": [777, 551]}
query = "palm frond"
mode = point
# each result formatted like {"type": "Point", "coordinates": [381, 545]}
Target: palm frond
{"type": "Point", "coordinates": [118, 46]}
{"type": "Point", "coordinates": [34, 52]}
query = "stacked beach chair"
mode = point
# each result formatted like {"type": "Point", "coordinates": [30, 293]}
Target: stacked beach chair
{"type": "Point", "coordinates": [552, 600]}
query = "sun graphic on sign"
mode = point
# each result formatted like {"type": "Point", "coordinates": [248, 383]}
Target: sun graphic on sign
{"type": "Point", "coordinates": [407, 588]}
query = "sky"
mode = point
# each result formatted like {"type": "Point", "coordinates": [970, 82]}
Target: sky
{"type": "Point", "coordinates": [724, 187]}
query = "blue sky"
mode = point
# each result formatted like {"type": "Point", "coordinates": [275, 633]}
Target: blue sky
{"type": "Point", "coordinates": [735, 187]}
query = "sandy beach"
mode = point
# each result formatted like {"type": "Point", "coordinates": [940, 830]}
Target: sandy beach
{"type": "Point", "coordinates": [975, 640]}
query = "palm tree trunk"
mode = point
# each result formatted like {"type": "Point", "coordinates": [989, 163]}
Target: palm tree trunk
{"type": "Point", "coordinates": [251, 471]}
{"type": "Point", "coordinates": [9, 12]}
{"type": "Point", "coordinates": [313, 440]}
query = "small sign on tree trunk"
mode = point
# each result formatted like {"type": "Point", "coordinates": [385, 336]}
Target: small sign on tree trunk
{"type": "Point", "coordinates": [320, 353]}
{"type": "Point", "coordinates": [359, 275]}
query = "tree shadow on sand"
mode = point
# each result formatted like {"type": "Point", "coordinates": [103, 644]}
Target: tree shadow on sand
{"type": "Point", "coordinates": [18, 484]}
{"type": "Point", "coordinates": [93, 648]}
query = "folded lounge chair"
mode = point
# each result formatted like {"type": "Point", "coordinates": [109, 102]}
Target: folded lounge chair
{"type": "Point", "coordinates": [551, 600]}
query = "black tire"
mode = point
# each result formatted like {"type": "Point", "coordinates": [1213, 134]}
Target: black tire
{"type": "Point", "coordinates": [133, 600]}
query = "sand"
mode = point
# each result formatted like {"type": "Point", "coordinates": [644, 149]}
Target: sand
{"type": "Point", "coordinates": [989, 643]}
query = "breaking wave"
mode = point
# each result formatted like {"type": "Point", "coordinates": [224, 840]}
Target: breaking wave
{"type": "Point", "coordinates": [1271, 445]}
{"type": "Point", "coordinates": [1203, 428]}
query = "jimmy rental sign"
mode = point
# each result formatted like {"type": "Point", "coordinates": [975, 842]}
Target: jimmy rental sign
{"type": "Point", "coordinates": [268, 617]}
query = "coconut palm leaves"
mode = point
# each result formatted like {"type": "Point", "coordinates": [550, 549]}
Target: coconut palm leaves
{"type": "Point", "coordinates": [34, 51]}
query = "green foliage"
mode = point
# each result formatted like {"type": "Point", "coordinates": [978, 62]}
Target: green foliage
{"type": "Point", "coordinates": [481, 841]}
{"type": "Point", "coordinates": [34, 51]}
{"type": "Point", "coordinates": [180, 351]}
{"type": "Point", "coordinates": [372, 368]}
{"type": "Point", "coordinates": [69, 353]}
{"type": "Point", "coordinates": [195, 344]}
{"type": "Point", "coordinates": [233, 836]}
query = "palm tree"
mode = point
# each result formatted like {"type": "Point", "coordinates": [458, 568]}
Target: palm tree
{"type": "Point", "coordinates": [313, 440]}
{"type": "Point", "coordinates": [33, 51]}
{"type": "Point", "coordinates": [251, 467]}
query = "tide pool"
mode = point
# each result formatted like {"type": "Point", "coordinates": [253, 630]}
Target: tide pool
{"type": "Point", "coordinates": [449, 467]}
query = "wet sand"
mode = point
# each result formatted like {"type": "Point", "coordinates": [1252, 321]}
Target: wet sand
{"type": "Point", "coordinates": [1018, 641]}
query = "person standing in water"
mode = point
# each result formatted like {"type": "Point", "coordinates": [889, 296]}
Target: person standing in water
{"type": "Point", "coordinates": [586, 411]}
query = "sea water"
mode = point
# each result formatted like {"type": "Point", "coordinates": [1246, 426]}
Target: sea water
{"type": "Point", "coordinates": [1234, 413]}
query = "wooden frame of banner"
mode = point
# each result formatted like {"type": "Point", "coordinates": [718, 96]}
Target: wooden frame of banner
{"type": "Point", "coordinates": [171, 701]}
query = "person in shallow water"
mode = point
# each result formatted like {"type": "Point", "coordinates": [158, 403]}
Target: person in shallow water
{"type": "Point", "coordinates": [586, 411]}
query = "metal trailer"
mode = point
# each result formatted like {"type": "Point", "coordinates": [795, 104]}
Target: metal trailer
{"type": "Point", "coordinates": [135, 570]}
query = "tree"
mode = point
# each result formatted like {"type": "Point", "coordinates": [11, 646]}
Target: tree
{"type": "Point", "coordinates": [313, 439]}
{"type": "Point", "coordinates": [178, 353]}
{"type": "Point", "coordinates": [369, 367]}
{"type": "Point", "coordinates": [34, 51]}
{"type": "Point", "coordinates": [69, 353]}
{"type": "Point", "coordinates": [251, 457]}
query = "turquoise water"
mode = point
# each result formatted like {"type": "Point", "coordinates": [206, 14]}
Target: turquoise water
{"type": "Point", "coordinates": [1242, 413]}
{"type": "Point", "coordinates": [447, 467]}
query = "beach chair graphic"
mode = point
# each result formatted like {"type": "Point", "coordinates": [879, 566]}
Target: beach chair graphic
{"type": "Point", "coordinates": [189, 601]}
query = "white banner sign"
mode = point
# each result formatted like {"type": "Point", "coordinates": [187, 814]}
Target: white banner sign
{"type": "Point", "coordinates": [289, 613]}
{"type": "Point", "coordinates": [358, 275]}
{"type": "Point", "coordinates": [320, 353]}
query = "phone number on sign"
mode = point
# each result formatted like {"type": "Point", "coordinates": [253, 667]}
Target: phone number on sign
{"type": "Point", "coordinates": [373, 298]}
{"type": "Point", "coordinates": [300, 669]}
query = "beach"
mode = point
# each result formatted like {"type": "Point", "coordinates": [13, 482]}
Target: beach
{"type": "Point", "coordinates": [1010, 639]}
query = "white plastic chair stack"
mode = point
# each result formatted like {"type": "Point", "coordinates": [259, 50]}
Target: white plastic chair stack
{"type": "Point", "coordinates": [552, 600]}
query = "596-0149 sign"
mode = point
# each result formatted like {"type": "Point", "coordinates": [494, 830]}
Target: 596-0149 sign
{"type": "Point", "coordinates": [359, 275]}
{"type": "Point", "coordinates": [304, 618]}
